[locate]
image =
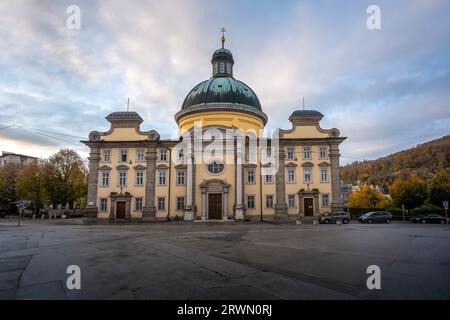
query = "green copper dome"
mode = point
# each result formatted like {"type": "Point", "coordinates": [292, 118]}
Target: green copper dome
{"type": "Point", "coordinates": [222, 89]}
{"type": "Point", "coordinates": [222, 92]}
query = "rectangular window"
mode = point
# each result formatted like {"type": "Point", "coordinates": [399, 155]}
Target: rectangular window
{"type": "Point", "coordinates": [250, 202]}
{"type": "Point", "coordinates": [291, 201]}
{"type": "Point", "coordinates": [307, 153]}
{"type": "Point", "coordinates": [162, 177]}
{"type": "Point", "coordinates": [307, 175]}
{"type": "Point", "coordinates": [122, 179]}
{"type": "Point", "coordinates": [103, 204]}
{"type": "Point", "coordinates": [269, 152]}
{"type": "Point", "coordinates": [106, 155]}
{"type": "Point", "coordinates": [163, 155]}
{"type": "Point", "coordinates": [325, 200]}
{"type": "Point", "coordinates": [222, 67]}
{"type": "Point", "coordinates": [161, 203]}
{"type": "Point", "coordinates": [269, 201]}
{"type": "Point", "coordinates": [323, 153]}
{"type": "Point", "coordinates": [268, 179]}
{"type": "Point", "coordinates": [138, 204]}
{"type": "Point", "coordinates": [180, 203]}
{"type": "Point", "coordinates": [323, 174]}
{"type": "Point", "coordinates": [140, 155]}
{"type": "Point", "coordinates": [291, 153]}
{"type": "Point", "coordinates": [123, 155]}
{"type": "Point", "coordinates": [181, 155]}
{"type": "Point", "coordinates": [291, 175]}
{"type": "Point", "coordinates": [180, 177]}
{"type": "Point", "coordinates": [250, 176]}
{"type": "Point", "coordinates": [105, 179]}
{"type": "Point", "coordinates": [139, 178]}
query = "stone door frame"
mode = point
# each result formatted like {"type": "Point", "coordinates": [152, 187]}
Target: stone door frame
{"type": "Point", "coordinates": [214, 186]}
{"type": "Point", "coordinates": [314, 194]}
{"type": "Point", "coordinates": [117, 197]}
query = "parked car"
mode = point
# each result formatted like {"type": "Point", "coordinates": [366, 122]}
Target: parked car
{"type": "Point", "coordinates": [375, 216]}
{"type": "Point", "coordinates": [342, 216]}
{"type": "Point", "coordinates": [429, 218]}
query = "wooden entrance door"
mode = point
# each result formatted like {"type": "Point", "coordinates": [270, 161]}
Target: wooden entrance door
{"type": "Point", "coordinates": [215, 206]}
{"type": "Point", "coordinates": [120, 210]}
{"type": "Point", "coordinates": [309, 207]}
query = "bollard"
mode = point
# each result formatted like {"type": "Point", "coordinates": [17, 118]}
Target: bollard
{"type": "Point", "coordinates": [315, 222]}
{"type": "Point", "coordinates": [339, 222]}
{"type": "Point", "coordinates": [299, 222]}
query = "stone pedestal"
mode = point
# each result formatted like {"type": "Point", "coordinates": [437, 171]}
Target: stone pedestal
{"type": "Point", "coordinates": [188, 214]}
{"type": "Point", "coordinates": [90, 214]}
{"type": "Point", "coordinates": [239, 214]}
{"type": "Point", "coordinates": [149, 214]}
{"type": "Point", "coordinates": [281, 213]}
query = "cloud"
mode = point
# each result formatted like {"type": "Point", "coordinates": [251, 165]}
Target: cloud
{"type": "Point", "coordinates": [385, 89]}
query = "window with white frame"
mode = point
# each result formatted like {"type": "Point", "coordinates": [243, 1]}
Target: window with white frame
{"type": "Point", "coordinates": [103, 204]}
{"type": "Point", "coordinates": [163, 155]}
{"type": "Point", "coordinates": [122, 179]}
{"type": "Point", "coordinates": [162, 177]}
{"type": "Point", "coordinates": [139, 178]}
{"type": "Point", "coordinates": [291, 175]}
{"type": "Point", "coordinates": [269, 201]}
{"type": "Point", "coordinates": [161, 203]}
{"type": "Point", "coordinates": [105, 179]}
{"type": "Point", "coordinates": [140, 155]}
{"type": "Point", "coordinates": [291, 201]}
{"type": "Point", "coordinates": [307, 175]}
{"type": "Point", "coordinates": [251, 176]}
{"type": "Point", "coordinates": [180, 203]}
{"type": "Point", "coordinates": [307, 153]}
{"type": "Point", "coordinates": [138, 204]}
{"type": "Point", "coordinates": [323, 152]}
{"type": "Point", "coordinates": [324, 174]}
{"type": "Point", "coordinates": [250, 202]}
{"type": "Point", "coordinates": [123, 155]}
{"type": "Point", "coordinates": [106, 155]}
{"type": "Point", "coordinates": [291, 153]}
{"type": "Point", "coordinates": [268, 179]}
{"type": "Point", "coordinates": [229, 68]}
{"type": "Point", "coordinates": [325, 200]}
{"type": "Point", "coordinates": [180, 177]}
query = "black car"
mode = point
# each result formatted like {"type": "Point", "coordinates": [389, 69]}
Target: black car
{"type": "Point", "coordinates": [429, 218]}
{"type": "Point", "coordinates": [342, 216]}
{"type": "Point", "coordinates": [376, 216]}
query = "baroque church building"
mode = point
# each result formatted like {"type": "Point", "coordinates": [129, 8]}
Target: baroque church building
{"type": "Point", "coordinates": [137, 176]}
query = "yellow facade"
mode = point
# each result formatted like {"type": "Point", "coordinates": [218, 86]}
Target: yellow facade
{"type": "Point", "coordinates": [135, 175]}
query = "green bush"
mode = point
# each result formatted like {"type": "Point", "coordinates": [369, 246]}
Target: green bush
{"type": "Point", "coordinates": [426, 209]}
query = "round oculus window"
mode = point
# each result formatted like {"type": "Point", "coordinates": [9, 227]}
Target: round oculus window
{"type": "Point", "coordinates": [215, 167]}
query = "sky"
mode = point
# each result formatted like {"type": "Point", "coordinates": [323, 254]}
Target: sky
{"type": "Point", "coordinates": [386, 90]}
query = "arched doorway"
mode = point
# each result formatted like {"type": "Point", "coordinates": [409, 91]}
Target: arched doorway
{"type": "Point", "coordinates": [214, 199]}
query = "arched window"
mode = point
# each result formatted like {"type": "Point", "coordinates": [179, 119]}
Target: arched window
{"type": "Point", "coordinates": [222, 67]}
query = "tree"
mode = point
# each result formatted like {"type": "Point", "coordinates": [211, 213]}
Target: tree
{"type": "Point", "coordinates": [8, 178]}
{"type": "Point", "coordinates": [367, 197]}
{"type": "Point", "coordinates": [439, 188]}
{"type": "Point", "coordinates": [65, 177]}
{"type": "Point", "coordinates": [412, 192]}
{"type": "Point", "coordinates": [30, 185]}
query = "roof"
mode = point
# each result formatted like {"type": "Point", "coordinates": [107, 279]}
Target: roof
{"type": "Point", "coordinates": [306, 113]}
{"type": "Point", "coordinates": [7, 153]}
{"type": "Point", "coordinates": [124, 115]}
{"type": "Point", "coordinates": [225, 90]}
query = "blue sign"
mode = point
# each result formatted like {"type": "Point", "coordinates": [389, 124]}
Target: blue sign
{"type": "Point", "coordinates": [21, 204]}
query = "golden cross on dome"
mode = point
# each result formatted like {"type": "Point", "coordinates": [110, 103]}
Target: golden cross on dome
{"type": "Point", "coordinates": [223, 37]}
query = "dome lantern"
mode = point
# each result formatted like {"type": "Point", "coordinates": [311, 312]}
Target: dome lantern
{"type": "Point", "coordinates": [222, 60]}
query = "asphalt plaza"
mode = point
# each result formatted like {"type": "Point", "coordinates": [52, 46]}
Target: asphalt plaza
{"type": "Point", "coordinates": [223, 260]}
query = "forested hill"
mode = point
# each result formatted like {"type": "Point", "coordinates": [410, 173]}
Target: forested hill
{"type": "Point", "coordinates": [425, 159]}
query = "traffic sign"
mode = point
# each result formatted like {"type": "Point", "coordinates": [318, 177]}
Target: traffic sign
{"type": "Point", "coordinates": [445, 204]}
{"type": "Point", "coordinates": [21, 204]}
